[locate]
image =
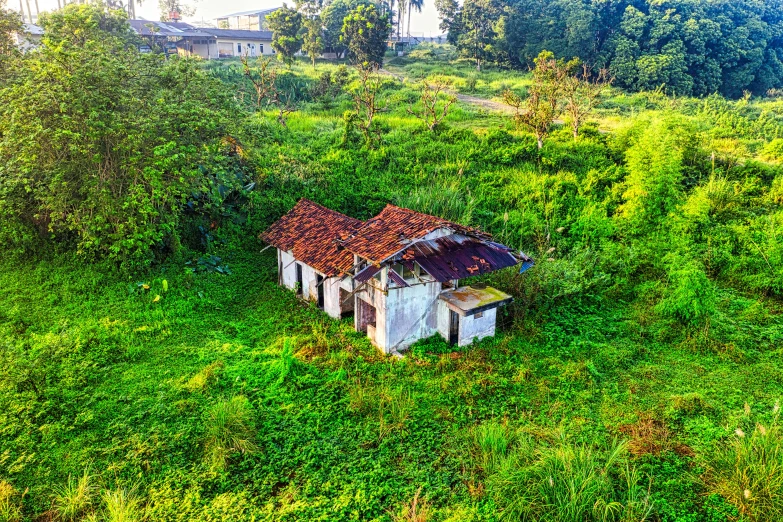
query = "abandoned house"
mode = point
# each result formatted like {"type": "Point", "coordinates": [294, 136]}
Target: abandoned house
{"type": "Point", "coordinates": [397, 273]}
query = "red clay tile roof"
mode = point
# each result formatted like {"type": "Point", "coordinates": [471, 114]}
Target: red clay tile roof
{"type": "Point", "coordinates": [312, 232]}
{"type": "Point", "coordinates": [393, 229]}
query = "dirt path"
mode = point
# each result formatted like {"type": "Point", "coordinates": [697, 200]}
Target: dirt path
{"type": "Point", "coordinates": [484, 103]}
{"type": "Point", "coordinates": [464, 98]}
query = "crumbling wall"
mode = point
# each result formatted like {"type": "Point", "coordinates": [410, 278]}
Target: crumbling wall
{"type": "Point", "coordinates": [411, 314]}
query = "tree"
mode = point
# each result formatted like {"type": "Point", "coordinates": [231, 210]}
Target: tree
{"type": "Point", "coordinates": [450, 19]}
{"type": "Point", "coordinates": [10, 26]}
{"type": "Point", "coordinates": [435, 104]}
{"type": "Point", "coordinates": [313, 31]}
{"type": "Point", "coordinates": [169, 7]}
{"type": "Point", "coordinates": [543, 104]}
{"type": "Point", "coordinates": [582, 94]}
{"type": "Point", "coordinates": [477, 36]}
{"type": "Point", "coordinates": [418, 5]}
{"type": "Point", "coordinates": [366, 102]}
{"type": "Point", "coordinates": [286, 26]}
{"type": "Point", "coordinates": [264, 80]}
{"type": "Point", "coordinates": [313, 43]}
{"type": "Point", "coordinates": [332, 17]}
{"type": "Point", "coordinates": [79, 163]}
{"type": "Point", "coordinates": [366, 33]}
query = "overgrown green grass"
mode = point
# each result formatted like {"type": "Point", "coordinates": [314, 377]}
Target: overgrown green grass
{"type": "Point", "coordinates": [608, 394]}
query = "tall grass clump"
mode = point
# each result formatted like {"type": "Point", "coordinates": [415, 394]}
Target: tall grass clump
{"type": "Point", "coordinates": [491, 444]}
{"type": "Point", "coordinates": [747, 470]}
{"type": "Point", "coordinates": [10, 503]}
{"type": "Point", "coordinates": [417, 510]}
{"type": "Point", "coordinates": [122, 505]}
{"type": "Point", "coordinates": [229, 429]}
{"type": "Point", "coordinates": [563, 482]}
{"type": "Point", "coordinates": [73, 500]}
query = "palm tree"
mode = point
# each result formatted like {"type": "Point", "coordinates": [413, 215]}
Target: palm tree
{"type": "Point", "coordinates": [418, 5]}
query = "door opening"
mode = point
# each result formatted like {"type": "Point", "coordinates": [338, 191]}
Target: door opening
{"type": "Point", "coordinates": [319, 281]}
{"type": "Point", "coordinates": [453, 327]}
{"type": "Point", "coordinates": [299, 279]}
{"type": "Point", "coordinates": [366, 313]}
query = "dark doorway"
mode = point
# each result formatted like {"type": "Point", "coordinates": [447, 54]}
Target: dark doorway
{"type": "Point", "coordinates": [453, 327]}
{"type": "Point", "coordinates": [299, 279]}
{"type": "Point", "coordinates": [319, 282]}
{"type": "Point", "coordinates": [366, 313]}
{"type": "Point", "coordinates": [346, 303]}
{"type": "Point", "coordinates": [279, 269]}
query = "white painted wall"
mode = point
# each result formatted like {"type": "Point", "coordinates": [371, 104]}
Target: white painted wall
{"type": "Point", "coordinates": [443, 319]}
{"type": "Point", "coordinates": [473, 329]}
{"type": "Point", "coordinates": [372, 294]}
{"type": "Point", "coordinates": [210, 52]}
{"type": "Point", "coordinates": [332, 302]}
{"type": "Point", "coordinates": [412, 314]}
{"type": "Point", "coordinates": [286, 262]}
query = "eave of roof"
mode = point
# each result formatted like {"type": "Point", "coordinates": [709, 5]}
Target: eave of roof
{"type": "Point", "coordinates": [394, 229]}
{"type": "Point", "coordinates": [311, 232]}
{"type": "Point", "coordinates": [458, 256]}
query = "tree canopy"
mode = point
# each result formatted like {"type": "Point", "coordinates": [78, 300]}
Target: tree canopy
{"type": "Point", "coordinates": [286, 26]}
{"type": "Point", "coordinates": [690, 47]}
{"type": "Point", "coordinates": [107, 168]}
{"type": "Point", "coordinates": [366, 31]}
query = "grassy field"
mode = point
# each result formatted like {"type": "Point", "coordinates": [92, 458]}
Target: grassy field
{"type": "Point", "coordinates": [184, 393]}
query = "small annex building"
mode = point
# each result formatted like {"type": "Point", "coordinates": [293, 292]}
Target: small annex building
{"type": "Point", "coordinates": [397, 273]}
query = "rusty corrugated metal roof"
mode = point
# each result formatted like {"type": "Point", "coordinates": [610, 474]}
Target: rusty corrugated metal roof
{"type": "Point", "coordinates": [390, 231]}
{"type": "Point", "coordinates": [458, 256]}
{"type": "Point", "coordinates": [313, 233]}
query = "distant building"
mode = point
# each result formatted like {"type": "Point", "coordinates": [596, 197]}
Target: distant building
{"type": "Point", "coordinates": [29, 38]}
{"type": "Point", "coordinates": [246, 20]}
{"type": "Point", "coordinates": [397, 273]}
{"type": "Point", "coordinates": [207, 42]}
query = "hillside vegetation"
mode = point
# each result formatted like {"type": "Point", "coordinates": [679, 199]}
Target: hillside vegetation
{"type": "Point", "coordinates": [151, 368]}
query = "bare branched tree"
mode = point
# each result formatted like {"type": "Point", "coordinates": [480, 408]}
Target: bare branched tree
{"type": "Point", "coordinates": [582, 94]}
{"type": "Point", "coordinates": [264, 81]}
{"type": "Point", "coordinates": [435, 104]}
{"type": "Point", "coordinates": [366, 102]}
{"type": "Point", "coordinates": [544, 102]}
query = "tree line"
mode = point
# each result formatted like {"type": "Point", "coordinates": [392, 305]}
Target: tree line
{"type": "Point", "coordinates": [357, 28]}
{"type": "Point", "coordinates": [688, 47]}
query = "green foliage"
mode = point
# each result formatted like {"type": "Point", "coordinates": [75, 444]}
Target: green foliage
{"type": "Point", "coordinates": [651, 315]}
{"type": "Point", "coordinates": [286, 25]}
{"type": "Point", "coordinates": [688, 48]}
{"type": "Point", "coordinates": [229, 430]}
{"type": "Point", "coordinates": [562, 481]}
{"type": "Point", "coordinates": [80, 165]}
{"type": "Point", "coordinates": [365, 32]}
{"type": "Point", "coordinates": [122, 505]}
{"type": "Point", "coordinates": [653, 184]}
{"type": "Point", "coordinates": [690, 295]}
{"type": "Point", "coordinates": [10, 503]}
{"type": "Point", "coordinates": [76, 498]}
{"type": "Point", "coordinates": [10, 26]}
{"type": "Point", "coordinates": [744, 469]}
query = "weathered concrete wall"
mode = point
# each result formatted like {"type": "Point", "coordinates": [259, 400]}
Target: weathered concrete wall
{"type": "Point", "coordinates": [472, 328]}
{"type": "Point", "coordinates": [333, 304]}
{"type": "Point", "coordinates": [372, 295]}
{"type": "Point", "coordinates": [443, 319]}
{"type": "Point", "coordinates": [411, 314]}
{"type": "Point", "coordinates": [285, 262]}
{"type": "Point", "coordinates": [310, 283]}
